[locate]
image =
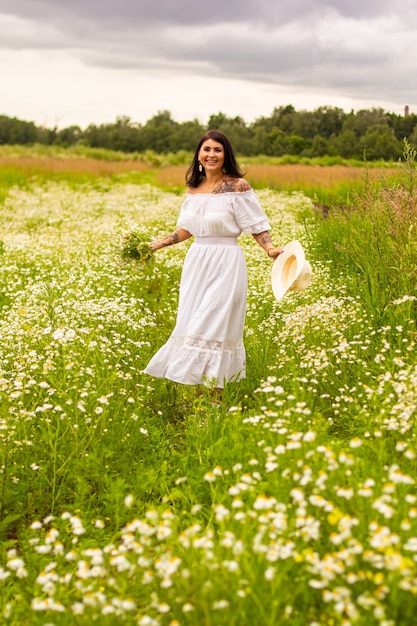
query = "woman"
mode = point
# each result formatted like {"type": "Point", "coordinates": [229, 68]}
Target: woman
{"type": "Point", "coordinates": [206, 345]}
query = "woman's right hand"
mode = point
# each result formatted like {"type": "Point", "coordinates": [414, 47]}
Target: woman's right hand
{"type": "Point", "coordinates": [273, 253]}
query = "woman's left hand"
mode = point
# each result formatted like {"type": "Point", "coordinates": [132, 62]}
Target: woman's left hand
{"type": "Point", "coordinates": [273, 253]}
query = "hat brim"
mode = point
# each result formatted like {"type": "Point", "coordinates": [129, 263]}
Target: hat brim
{"type": "Point", "coordinates": [287, 268]}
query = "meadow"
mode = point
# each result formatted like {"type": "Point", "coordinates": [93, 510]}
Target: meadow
{"type": "Point", "coordinates": [130, 500]}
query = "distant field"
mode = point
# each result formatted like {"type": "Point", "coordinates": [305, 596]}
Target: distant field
{"type": "Point", "coordinates": [325, 183]}
{"type": "Point", "coordinates": [291, 177]}
{"type": "Point", "coordinates": [33, 166]}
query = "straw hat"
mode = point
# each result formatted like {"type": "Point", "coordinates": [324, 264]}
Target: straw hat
{"type": "Point", "coordinates": [290, 271]}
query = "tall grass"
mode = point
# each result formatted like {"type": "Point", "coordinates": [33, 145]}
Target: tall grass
{"type": "Point", "coordinates": [375, 242]}
{"type": "Point", "coordinates": [130, 500]}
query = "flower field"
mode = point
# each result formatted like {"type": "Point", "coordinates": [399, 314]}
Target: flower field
{"type": "Point", "coordinates": [129, 500]}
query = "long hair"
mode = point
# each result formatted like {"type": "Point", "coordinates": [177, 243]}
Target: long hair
{"type": "Point", "coordinates": [193, 176]}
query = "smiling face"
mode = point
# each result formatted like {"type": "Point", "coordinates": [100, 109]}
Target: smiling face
{"type": "Point", "coordinates": [211, 156]}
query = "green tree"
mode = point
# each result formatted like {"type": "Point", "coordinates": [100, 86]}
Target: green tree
{"type": "Point", "coordinates": [284, 117]}
{"type": "Point", "coordinates": [188, 135]}
{"type": "Point", "coordinates": [364, 119]}
{"type": "Point", "coordinates": [413, 138]}
{"type": "Point", "coordinates": [122, 135]}
{"type": "Point", "coordinates": [330, 121]}
{"type": "Point", "coordinates": [259, 142]}
{"type": "Point", "coordinates": [296, 144]}
{"type": "Point", "coordinates": [68, 136]}
{"type": "Point", "coordinates": [160, 134]}
{"type": "Point", "coordinates": [305, 125]}
{"type": "Point", "coordinates": [277, 143]}
{"type": "Point", "coordinates": [402, 125]}
{"type": "Point", "coordinates": [346, 145]}
{"type": "Point", "coordinates": [15, 131]}
{"type": "Point", "coordinates": [319, 147]}
{"type": "Point", "coordinates": [94, 137]}
{"type": "Point", "coordinates": [379, 142]}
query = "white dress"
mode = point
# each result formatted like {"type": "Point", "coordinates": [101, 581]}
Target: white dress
{"type": "Point", "coordinates": [206, 345]}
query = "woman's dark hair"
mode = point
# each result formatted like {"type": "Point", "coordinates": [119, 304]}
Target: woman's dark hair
{"type": "Point", "coordinates": [193, 175]}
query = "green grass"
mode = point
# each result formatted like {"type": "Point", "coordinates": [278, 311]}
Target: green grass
{"type": "Point", "coordinates": [126, 499]}
{"type": "Point", "coordinates": [374, 243]}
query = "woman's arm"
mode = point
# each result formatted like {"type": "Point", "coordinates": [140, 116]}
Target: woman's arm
{"type": "Point", "coordinates": [265, 241]}
{"type": "Point", "coordinates": [180, 234]}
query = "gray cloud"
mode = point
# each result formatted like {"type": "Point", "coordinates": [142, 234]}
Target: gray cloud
{"type": "Point", "coordinates": [106, 13]}
{"type": "Point", "coordinates": [360, 48]}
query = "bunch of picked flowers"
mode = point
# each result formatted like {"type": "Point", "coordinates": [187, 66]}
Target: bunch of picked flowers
{"type": "Point", "coordinates": [135, 246]}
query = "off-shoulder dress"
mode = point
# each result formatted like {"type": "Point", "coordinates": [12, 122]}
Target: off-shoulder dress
{"type": "Point", "coordinates": [206, 345]}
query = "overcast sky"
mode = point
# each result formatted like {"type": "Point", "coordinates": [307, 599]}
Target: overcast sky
{"type": "Point", "coordinates": [65, 62]}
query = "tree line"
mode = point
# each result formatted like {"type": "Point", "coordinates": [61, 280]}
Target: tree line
{"type": "Point", "coordinates": [374, 133]}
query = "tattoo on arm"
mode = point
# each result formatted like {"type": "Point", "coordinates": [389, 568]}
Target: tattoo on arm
{"type": "Point", "coordinates": [170, 239]}
{"type": "Point", "coordinates": [263, 238]}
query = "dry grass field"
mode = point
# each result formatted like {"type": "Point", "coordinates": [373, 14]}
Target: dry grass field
{"type": "Point", "coordinates": [293, 176]}
{"type": "Point", "coordinates": [36, 165]}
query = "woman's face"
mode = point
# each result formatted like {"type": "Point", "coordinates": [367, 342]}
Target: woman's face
{"type": "Point", "coordinates": [211, 156]}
